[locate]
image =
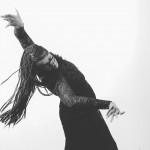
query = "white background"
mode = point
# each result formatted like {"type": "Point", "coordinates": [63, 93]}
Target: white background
{"type": "Point", "coordinates": [108, 41]}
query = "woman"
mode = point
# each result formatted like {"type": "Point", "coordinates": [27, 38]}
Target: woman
{"type": "Point", "coordinates": [83, 124]}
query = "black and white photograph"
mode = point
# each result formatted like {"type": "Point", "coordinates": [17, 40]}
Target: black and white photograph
{"type": "Point", "coordinates": [75, 75]}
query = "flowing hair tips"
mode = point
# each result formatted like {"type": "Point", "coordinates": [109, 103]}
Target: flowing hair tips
{"type": "Point", "coordinates": [23, 92]}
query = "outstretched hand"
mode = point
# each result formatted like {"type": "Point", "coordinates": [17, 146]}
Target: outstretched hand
{"type": "Point", "coordinates": [113, 111]}
{"type": "Point", "coordinates": [13, 20]}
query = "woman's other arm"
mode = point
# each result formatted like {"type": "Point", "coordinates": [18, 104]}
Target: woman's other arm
{"type": "Point", "coordinates": [72, 100]}
{"type": "Point", "coordinates": [20, 33]}
{"type": "Point", "coordinates": [68, 97]}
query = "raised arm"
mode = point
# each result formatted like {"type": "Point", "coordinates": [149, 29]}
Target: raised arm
{"type": "Point", "coordinates": [23, 37]}
{"type": "Point", "coordinates": [20, 33]}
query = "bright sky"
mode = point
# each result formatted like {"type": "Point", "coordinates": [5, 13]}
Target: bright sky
{"type": "Point", "coordinates": [108, 41]}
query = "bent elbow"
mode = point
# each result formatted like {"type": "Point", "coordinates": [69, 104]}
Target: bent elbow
{"type": "Point", "coordinates": [68, 103]}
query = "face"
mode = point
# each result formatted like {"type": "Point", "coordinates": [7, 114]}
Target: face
{"type": "Point", "coordinates": [47, 70]}
{"type": "Point", "coordinates": [48, 60]}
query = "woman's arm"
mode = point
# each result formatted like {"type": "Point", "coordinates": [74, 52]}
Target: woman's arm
{"type": "Point", "coordinates": [68, 97]}
{"type": "Point", "coordinates": [20, 33]}
{"type": "Point", "coordinates": [23, 37]}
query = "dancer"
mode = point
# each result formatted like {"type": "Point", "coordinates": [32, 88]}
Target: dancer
{"type": "Point", "coordinates": [83, 124]}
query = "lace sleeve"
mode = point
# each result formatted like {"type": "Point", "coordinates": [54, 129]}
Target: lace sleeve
{"type": "Point", "coordinates": [68, 97]}
{"type": "Point", "coordinates": [23, 37]}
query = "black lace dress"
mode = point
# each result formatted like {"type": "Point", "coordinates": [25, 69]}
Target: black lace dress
{"type": "Point", "coordinates": [83, 124]}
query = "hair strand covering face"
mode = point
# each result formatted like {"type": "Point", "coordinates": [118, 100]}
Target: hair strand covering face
{"type": "Point", "coordinates": [25, 88]}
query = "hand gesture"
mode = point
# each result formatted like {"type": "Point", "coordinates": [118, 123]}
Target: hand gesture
{"type": "Point", "coordinates": [113, 111]}
{"type": "Point", "coordinates": [13, 20]}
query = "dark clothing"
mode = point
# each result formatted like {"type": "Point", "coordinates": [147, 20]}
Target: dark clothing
{"type": "Point", "coordinates": [84, 127]}
{"type": "Point", "coordinates": [83, 124]}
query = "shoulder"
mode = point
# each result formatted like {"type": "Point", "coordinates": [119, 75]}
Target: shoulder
{"type": "Point", "coordinates": [65, 64]}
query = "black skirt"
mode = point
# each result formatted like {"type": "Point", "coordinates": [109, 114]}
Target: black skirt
{"type": "Point", "coordinates": [85, 130]}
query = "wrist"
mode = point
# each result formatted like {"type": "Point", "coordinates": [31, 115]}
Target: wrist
{"type": "Point", "coordinates": [20, 26]}
{"type": "Point", "coordinates": [109, 103]}
{"type": "Point", "coordinates": [103, 104]}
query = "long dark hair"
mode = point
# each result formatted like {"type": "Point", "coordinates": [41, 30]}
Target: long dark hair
{"type": "Point", "coordinates": [32, 77]}
{"type": "Point", "coordinates": [25, 88]}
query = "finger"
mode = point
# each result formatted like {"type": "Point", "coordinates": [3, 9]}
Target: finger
{"type": "Point", "coordinates": [121, 113]}
{"type": "Point", "coordinates": [111, 112]}
{"type": "Point", "coordinates": [112, 117]}
{"type": "Point", "coordinates": [2, 16]}
{"type": "Point", "coordinates": [9, 16]}
{"type": "Point", "coordinates": [108, 112]}
{"type": "Point", "coordinates": [110, 109]}
{"type": "Point", "coordinates": [8, 19]}
{"type": "Point", "coordinates": [116, 113]}
{"type": "Point", "coordinates": [17, 12]}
